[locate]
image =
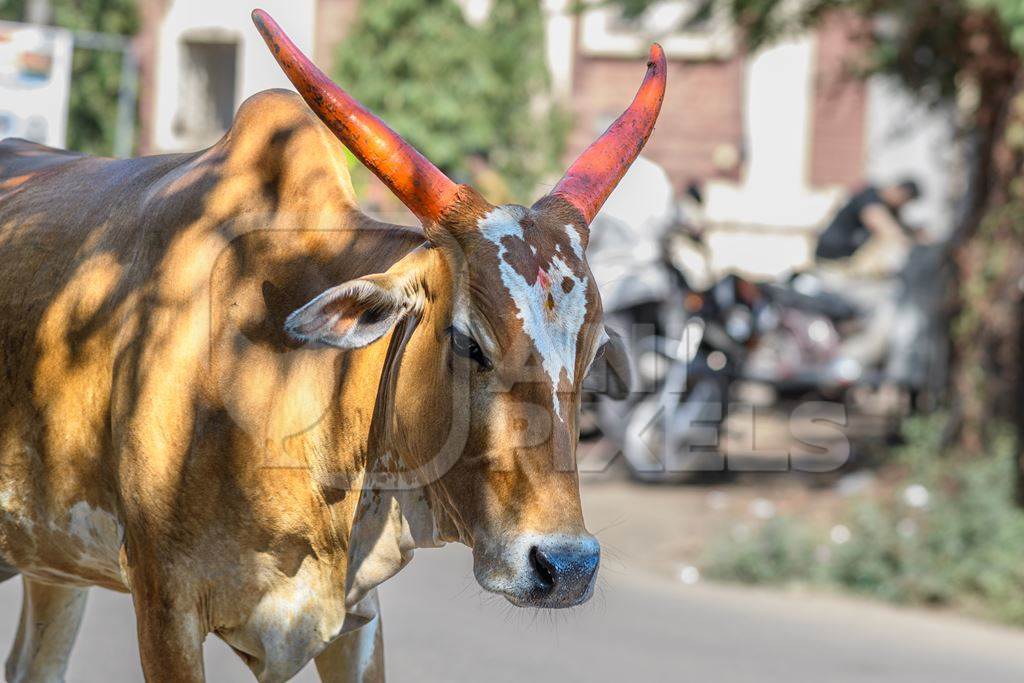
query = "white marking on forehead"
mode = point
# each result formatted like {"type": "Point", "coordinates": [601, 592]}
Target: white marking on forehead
{"type": "Point", "coordinates": [552, 329]}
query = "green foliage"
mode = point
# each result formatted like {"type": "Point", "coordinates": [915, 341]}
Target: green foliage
{"type": "Point", "coordinates": [986, 328]}
{"type": "Point", "coordinates": [96, 75]}
{"type": "Point", "coordinates": [962, 548]}
{"type": "Point", "coordinates": [453, 89]}
{"type": "Point", "coordinates": [12, 10]}
{"type": "Point", "coordinates": [1012, 14]}
{"type": "Point", "coordinates": [781, 551]}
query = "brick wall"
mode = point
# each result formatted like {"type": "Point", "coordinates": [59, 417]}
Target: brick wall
{"type": "Point", "coordinates": [150, 14]}
{"type": "Point", "coordinates": [839, 124]}
{"type": "Point", "coordinates": [702, 112]}
{"type": "Point", "coordinates": [702, 115]}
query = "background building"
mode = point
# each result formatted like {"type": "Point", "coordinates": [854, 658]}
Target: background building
{"type": "Point", "coordinates": [775, 138]}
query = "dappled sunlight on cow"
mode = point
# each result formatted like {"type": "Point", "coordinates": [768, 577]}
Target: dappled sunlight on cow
{"type": "Point", "coordinates": [245, 402]}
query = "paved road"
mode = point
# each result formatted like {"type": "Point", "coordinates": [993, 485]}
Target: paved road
{"type": "Point", "coordinates": [640, 628]}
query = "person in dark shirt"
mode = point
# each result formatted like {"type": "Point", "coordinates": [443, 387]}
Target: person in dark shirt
{"type": "Point", "coordinates": [861, 256]}
{"type": "Point", "coordinates": [869, 213]}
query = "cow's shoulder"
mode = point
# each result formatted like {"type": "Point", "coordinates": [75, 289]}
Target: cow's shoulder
{"type": "Point", "coordinates": [272, 108]}
{"type": "Point", "coordinates": [276, 160]}
{"type": "Point", "coordinates": [276, 137]}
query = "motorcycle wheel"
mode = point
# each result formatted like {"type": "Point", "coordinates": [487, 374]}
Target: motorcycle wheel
{"type": "Point", "coordinates": [696, 421]}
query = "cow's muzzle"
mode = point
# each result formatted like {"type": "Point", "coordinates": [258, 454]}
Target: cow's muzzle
{"type": "Point", "coordinates": [564, 572]}
{"type": "Point", "coordinates": [546, 571]}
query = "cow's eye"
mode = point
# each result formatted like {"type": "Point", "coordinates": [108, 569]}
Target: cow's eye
{"type": "Point", "coordinates": [463, 345]}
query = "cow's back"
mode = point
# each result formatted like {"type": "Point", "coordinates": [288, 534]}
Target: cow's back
{"type": "Point", "coordinates": [114, 275]}
{"type": "Point", "coordinates": [66, 244]}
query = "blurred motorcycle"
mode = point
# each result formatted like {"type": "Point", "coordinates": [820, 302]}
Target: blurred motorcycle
{"type": "Point", "coordinates": [687, 351]}
{"type": "Point", "coordinates": [803, 354]}
{"type": "Point", "coordinates": [706, 335]}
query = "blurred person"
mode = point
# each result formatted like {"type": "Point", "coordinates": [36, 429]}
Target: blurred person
{"type": "Point", "coordinates": [872, 215]}
{"type": "Point", "coordinates": [861, 256]}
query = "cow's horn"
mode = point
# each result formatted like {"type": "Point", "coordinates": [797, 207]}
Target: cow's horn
{"type": "Point", "coordinates": [418, 183]}
{"type": "Point", "coordinates": [593, 176]}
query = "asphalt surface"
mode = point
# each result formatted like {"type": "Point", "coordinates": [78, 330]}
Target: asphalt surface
{"type": "Point", "coordinates": [440, 627]}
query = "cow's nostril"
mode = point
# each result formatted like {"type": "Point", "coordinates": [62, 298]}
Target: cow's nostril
{"type": "Point", "coordinates": [543, 570]}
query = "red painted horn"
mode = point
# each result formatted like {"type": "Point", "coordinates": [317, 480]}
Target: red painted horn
{"type": "Point", "coordinates": [408, 174]}
{"type": "Point", "coordinates": [593, 176]}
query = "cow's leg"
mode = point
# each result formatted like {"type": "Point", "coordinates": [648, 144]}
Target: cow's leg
{"type": "Point", "coordinates": [170, 638]}
{"type": "Point", "coordinates": [356, 657]}
{"type": "Point", "coordinates": [6, 570]}
{"type": "Point", "coordinates": [50, 617]}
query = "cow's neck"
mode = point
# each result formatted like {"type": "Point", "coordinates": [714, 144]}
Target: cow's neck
{"type": "Point", "coordinates": [394, 514]}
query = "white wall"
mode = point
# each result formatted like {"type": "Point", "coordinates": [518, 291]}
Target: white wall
{"type": "Point", "coordinates": [761, 225]}
{"type": "Point", "coordinates": [906, 138]}
{"type": "Point", "coordinates": [560, 45]}
{"type": "Point", "coordinates": [231, 20]}
{"type": "Point", "coordinates": [768, 221]}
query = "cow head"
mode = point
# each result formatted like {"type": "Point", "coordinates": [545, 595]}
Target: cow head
{"type": "Point", "coordinates": [498, 326]}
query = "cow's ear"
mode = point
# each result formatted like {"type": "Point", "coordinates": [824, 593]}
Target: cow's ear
{"type": "Point", "coordinates": [351, 315]}
{"type": "Point", "coordinates": [610, 373]}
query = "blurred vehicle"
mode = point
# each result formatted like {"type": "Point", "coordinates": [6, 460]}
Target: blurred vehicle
{"type": "Point", "coordinates": [705, 335]}
{"type": "Point", "coordinates": [800, 346]}
{"type": "Point", "coordinates": [686, 351]}
{"type": "Point", "coordinates": [808, 352]}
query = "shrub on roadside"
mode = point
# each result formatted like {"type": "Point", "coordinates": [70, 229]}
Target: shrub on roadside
{"type": "Point", "coordinates": [782, 551]}
{"type": "Point", "coordinates": [945, 531]}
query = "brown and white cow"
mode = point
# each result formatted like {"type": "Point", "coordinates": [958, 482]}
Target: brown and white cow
{"type": "Point", "coordinates": [227, 391]}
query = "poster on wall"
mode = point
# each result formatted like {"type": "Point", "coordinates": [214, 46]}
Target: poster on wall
{"type": "Point", "coordinates": [35, 81]}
